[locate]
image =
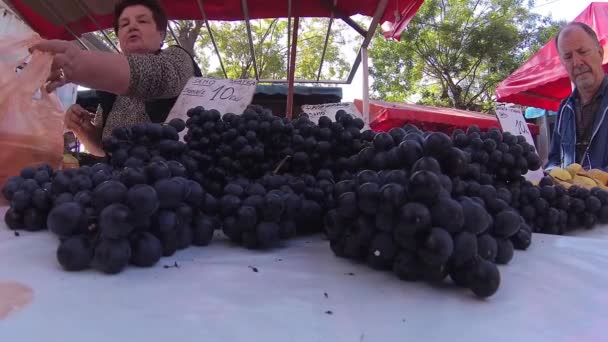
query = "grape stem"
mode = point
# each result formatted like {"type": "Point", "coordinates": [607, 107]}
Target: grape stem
{"type": "Point", "coordinates": [281, 164]}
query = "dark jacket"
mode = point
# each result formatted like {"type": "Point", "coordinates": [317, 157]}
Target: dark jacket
{"type": "Point", "coordinates": [563, 143]}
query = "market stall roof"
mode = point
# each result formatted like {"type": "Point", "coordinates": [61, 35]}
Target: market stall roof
{"type": "Point", "coordinates": [542, 81]}
{"type": "Point", "coordinates": [55, 19]}
{"type": "Point", "coordinates": [385, 115]}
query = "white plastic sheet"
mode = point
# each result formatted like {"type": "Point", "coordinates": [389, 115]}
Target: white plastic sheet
{"type": "Point", "coordinates": [555, 291]}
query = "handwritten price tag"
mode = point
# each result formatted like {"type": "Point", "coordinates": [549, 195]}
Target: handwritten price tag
{"type": "Point", "coordinates": [330, 109]}
{"type": "Point", "coordinates": [512, 120]}
{"type": "Point", "coordinates": [224, 95]}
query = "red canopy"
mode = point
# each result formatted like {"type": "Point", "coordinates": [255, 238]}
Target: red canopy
{"type": "Point", "coordinates": [49, 18]}
{"type": "Point", "coordinates": [386, 115]}
{"type": "Point", "coordinates": [542, 81]}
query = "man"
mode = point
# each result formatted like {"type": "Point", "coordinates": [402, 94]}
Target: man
{"type": "Point", "coordinates": [581, 131]}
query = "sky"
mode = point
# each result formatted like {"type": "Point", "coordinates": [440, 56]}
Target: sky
{"type": "Point", "coordinates": [558, 9]}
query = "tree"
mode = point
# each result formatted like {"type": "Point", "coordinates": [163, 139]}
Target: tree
{"type": "Point", "coordinates": [186, 31]}
{"type": "Point", "coordinates": [455, 52]}
{"type": "Point", "coordinates": [270, 46]}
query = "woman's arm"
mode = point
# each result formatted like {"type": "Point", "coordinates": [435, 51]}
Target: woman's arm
{"type": "Point", "coordinates": [102, 71]}
{"type": "Point", "coordinates": [148, 76]}
{"type": "Point", "coordinates": [145, 76]}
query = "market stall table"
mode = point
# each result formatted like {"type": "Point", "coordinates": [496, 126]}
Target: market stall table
{"type": "Point", "coordinates": [598, 232]}
{"type": "Point", "coordinates": [555, 291]}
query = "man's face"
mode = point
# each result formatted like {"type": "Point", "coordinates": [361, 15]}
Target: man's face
{"type": "Point", "coordinates": [581, 57]}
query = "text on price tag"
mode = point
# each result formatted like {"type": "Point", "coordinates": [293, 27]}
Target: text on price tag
{"type": "Point", "coordinates": [330, 109]}
{"type": "Point", "coordinates": [224, 95]}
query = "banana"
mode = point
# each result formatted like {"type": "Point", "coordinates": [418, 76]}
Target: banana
{"type": "Point", "coordinates": [574, 169]}
{"type": "Point", "coordinates": [599, 175]}
{"type": "Point", "coordinates": [584, 181]}
{"type": "Point", "coordinates": [560, 174]}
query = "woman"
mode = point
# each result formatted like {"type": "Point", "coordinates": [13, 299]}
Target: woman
{"type": "Point", "coordinates": [140, 85]}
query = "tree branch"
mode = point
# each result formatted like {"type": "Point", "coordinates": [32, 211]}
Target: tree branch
{"type": "Point", "coordinates": [483, 89]}
{"type": "Point", "coordinates": [472, 70]}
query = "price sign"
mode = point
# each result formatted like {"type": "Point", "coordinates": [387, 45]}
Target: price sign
{"type": "Point", "coordinates": [224, 95]}
{"type": "Point", "coordinates": [330, 109]}
{"type": "Point", "coordinates": [512, 120]}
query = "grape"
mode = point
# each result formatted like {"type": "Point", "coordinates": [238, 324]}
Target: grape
{"type": "Point", "coordinates": [75, 253]}
{"type": "Point", "coordinates": [407, 266]}
{"type": "Point", "coordinates": [170, 192]}
{"type": "Point", "coordinates": [108, 193]}
{"type": "Point", "coordinates": [28, 173]}
{"type": "Point", "coordinates": [202, 231]}
{"type": "Point", "coordinates": [112, 256]}
{"type": "Point", "coordinates": [484, 279]}
{"type": "Point", "coordinates": [424, 187]}
{"type": "Point", "coordinates": [268, 234]}
{"type": "Point", "coordinates": [413, 218]}
{"type": "Point", "coordinates": [273, 207]}
{"type": "Point", "coordinates": [505, 251]}
{"type": "Point", "coordinates": [13, 219]}
{"type": "Point", "coordinates": [487, 247]}
{"type": "Point", "coordinates": [449, 214]}
{"type": "Point", "coordinates": [12, 185]}
{"type": "Point", "coordinates": [422, 203]}
{"type": "Point", "coordinates": [21, 200]}
{"type": "Point", "coordinates": [229, 204]}
{"type": "Point", "coordinates": [506, 223]}
{"type": "Point", "coordinates": [41, 199]}
{"type": "Point", "coordinates": [164, 221]}
{"type": "Point", "coordinates": [34, 220]}
{"type": "Point", "coordinates": [438, 247]}
{"type": "Point", "coordinates": [65, 219]}
{"type": "Point", "coordinates": [142, 199]}
{"type": "Point", "coordinates": [382, 251]}
{"type": "Point", "coordinates": [115, 221]}
{"type": "Point", "coordinates": [465, 248]}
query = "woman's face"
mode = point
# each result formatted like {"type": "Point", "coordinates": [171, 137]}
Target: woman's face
{"type": "Point", "coordinates": [137, 31]}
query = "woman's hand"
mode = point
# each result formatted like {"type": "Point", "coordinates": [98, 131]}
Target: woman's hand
{"type": "Point", "coordinates": [65, 58]}
{"type": "Point", "coordinates": [78, 119]}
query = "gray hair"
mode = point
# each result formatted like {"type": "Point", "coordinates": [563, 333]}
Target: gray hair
{"type": "Point", "coordinates": [585, 28]}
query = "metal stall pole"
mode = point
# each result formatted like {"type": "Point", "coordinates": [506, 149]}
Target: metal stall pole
{"type": "Point", "coordinates": [217, 51]}
{"type": "Point", "coordinates": [331, 21]}
{"type": "Point", "coordinates": [288, 34]}
{"type": "Point", "coordinates": [251, 48]}
{"type": "Point", "coordinates": [364, 58]}
{"type": "Point", "coordinates": [292, 67]}
{"type": "Point", "coordinates": [173, 34]}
